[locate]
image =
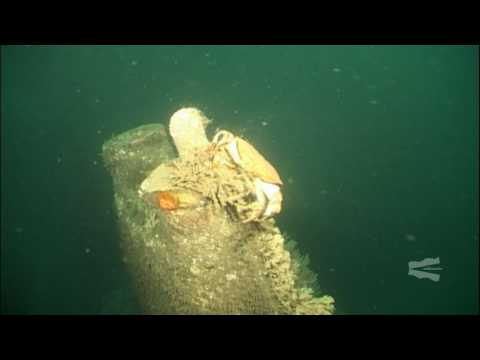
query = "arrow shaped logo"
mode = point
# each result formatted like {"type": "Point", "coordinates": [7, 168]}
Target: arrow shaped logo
{"type": "Point", "coordinates": [417, 269]}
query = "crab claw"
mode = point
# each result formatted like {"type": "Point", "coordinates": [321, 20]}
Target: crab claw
{"type": "Point", "coordinates": [274, 198]}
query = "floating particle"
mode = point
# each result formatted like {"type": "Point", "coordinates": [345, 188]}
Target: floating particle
{"type": "Point", "coordinates": [264, 123]}
{"type": "Point", "coordinates": [410, 237]}
{"type": "Point", "coordinates": [231, 277]}
{"type": "Point", "coordinates": [336, 70]}
{"type": "Point", "coordinates": [373, 102]}
{"type": "Point", "coordinates": [87, 250]}
{"type": "Point", "coordinates": [134, 63]}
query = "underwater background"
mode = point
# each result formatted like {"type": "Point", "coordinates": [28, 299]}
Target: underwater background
{"type": "Point", "coordinates": [377, 146]}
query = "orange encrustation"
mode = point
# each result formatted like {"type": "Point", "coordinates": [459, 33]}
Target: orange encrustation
{"type": "Point", "coordinates": [167, 201]}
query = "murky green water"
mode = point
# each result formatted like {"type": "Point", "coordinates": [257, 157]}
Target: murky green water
{"type": "Point", "coordinates": [378, 146]}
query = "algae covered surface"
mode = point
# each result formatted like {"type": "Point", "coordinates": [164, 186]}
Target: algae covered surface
{"type": "Point", "coordinates": [200, 260]}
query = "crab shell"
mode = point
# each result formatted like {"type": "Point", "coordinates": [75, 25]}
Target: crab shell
{"type": "Point", "coordinates": [247, 157]}
{"type": "Point", "coordinates": [266, 179]}
{"type": "Point", "coordinates": [274, 198]}
{"type": "Point", "coordinates": [158, 190]}
{"type": "Point", "coordinates": [158, 180]}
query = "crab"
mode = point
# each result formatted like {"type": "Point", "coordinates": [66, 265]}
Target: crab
{"type": "Point", "coordinates": [258, 180]}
